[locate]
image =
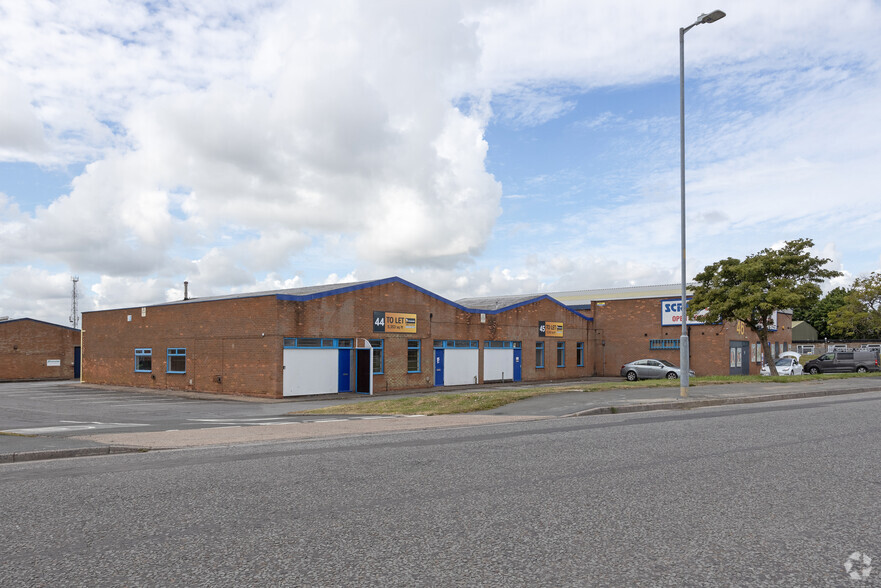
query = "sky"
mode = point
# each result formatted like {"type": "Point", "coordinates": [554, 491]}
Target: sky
{"type": "Point", "coordinates": [474, 148]}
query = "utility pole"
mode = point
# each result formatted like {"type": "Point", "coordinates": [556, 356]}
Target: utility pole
{"type": "Point", "coordinates": [74, 308]}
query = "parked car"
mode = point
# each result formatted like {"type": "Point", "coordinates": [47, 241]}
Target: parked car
{"type": "Point", "coordinates": [844, 361]}
{"type": "Point", "coordinates": [645, 369]}
{"type": "Point", "coordinates": [787, 365]}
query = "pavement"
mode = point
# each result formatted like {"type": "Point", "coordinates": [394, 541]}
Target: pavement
{"type": "Point", "coordinates": [18, 448]}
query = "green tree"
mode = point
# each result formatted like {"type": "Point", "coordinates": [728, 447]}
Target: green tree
{"type": "Point", "coordinates": [751, 290]}
{"type": "Point", "coordinates": [817, 313]}
{"type": "Point", "coordinates": [860, 315]}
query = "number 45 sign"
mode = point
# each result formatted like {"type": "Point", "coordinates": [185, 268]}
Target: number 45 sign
{"type": "Point", "coordinates": [546, 329]}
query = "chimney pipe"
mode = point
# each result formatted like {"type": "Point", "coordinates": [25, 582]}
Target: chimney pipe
{"type": "Point", "coordinates": [186, 293]}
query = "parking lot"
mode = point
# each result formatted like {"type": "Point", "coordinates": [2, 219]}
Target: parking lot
{"type": "Point", "coordinates": [70, 408]}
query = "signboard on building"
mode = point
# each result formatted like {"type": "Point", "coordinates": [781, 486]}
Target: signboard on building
{"type": "Point", "coordinates": [393, 322]}
{"type": "Point", "coordinates": [53, 363]}
{"type": "Point", "coordinates": [671, 314]}
{"type": "Point", "coordinates": [546, 329]}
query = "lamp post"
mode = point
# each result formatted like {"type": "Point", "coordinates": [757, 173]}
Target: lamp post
{"type": "Point", "coordinates": [683, 340]}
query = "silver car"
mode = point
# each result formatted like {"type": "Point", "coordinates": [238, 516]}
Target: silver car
{"type": "Point", "coordinates": [645, 369]}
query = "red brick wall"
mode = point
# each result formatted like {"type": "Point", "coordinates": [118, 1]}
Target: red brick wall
{"type": "Point", "coordinates": [627, 326]}
{"type": "Point", "coordinates": [26, 344]}
{"type": "Point", "coordinates": [233, 346]}
{"type": "Point", "coordinates": [351, 315]}
{"type": "Point", "coordinates": [236, 346]}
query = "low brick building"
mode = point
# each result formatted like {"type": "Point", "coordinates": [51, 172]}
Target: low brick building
{"type": "Point", "coordinates": [645, 322]}
{"type": "Point", "coordinates": [370, 337]}
{"type": "Point", "coordinates": [36, 350]}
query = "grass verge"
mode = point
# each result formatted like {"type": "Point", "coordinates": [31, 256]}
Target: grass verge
{"type": "Point", "coordinates": [460, 403]}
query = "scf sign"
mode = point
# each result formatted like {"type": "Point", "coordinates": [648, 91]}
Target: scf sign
{"type": "Point", "coordinates": [671, 313]}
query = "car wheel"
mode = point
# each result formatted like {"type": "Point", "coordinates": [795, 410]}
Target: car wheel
{"type": "Point", "coordinates": [862, 369]}
{"type": "Point", "coordinates": [672, 376]}
{"type": "Point", "coordinates": [814, 371]}
{"type": "Point", "coordinates": [631, 376]}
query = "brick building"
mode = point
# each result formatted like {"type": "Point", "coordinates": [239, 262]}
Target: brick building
{"type": "Point", "coordinates": [644, 322]}
{"type": "Point", "coordinates": [370, 337]}
{"type": "Point", "coordinates": [37, 350]}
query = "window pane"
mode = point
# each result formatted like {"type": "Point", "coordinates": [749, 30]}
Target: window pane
{"type": "Point", "coordinates": [413, 356]}
{"type": "Point", "coordinates": [177, 361]}
{"type": "Point", "coordinates": [540, 355]}
{"type": "Point", "coordinates": [143, 361]}
{"type": "Point", "coordinates": [561, 354]}
{"type": "Point", "coordinates": [377, 355]}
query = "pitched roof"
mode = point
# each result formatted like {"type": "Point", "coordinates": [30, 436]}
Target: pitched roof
{"type": "Point", "coordinates": [480, 305]}
{"type": "Point", "coordinates": [7, 321]}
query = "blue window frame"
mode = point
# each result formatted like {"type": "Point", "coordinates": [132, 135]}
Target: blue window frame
{"type": "Point", "coordinates": [378, 355]}
{"type": "Point", "coordinates": [144, 360]}
{"type": "Point", "coordinates": [455, 344]}
{"type": "Point", "coordinates": [561, 354]}
{"type": "Point", "coordinates": [663, 343]}
{"type": "Point", "coordinates": [579, 354]}
{"type": "Point", "coordinates": [177, 361]}
{"type": "Point", "coordinates": [539, 354]}
{"type": "Point", "coordinates": [501, 344]}
{"type": "Point", "coordinates": [316, 343]}
{"type": "Point", "coordinates": [414, 356]}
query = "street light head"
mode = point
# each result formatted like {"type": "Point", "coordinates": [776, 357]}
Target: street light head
{"type": "Point", "coordinates": [712, 17]}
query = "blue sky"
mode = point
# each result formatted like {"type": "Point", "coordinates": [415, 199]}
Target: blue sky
{"type": "Point", "coordinates": [475, 148]}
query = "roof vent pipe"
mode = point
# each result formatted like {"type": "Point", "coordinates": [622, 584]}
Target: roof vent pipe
{"type": "Point", "coordinates": [186, 293]}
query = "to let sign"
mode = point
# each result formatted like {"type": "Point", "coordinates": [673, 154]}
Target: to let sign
{"type": "Point", "coordinates": [393, 322]}
{"type": "Point", "coordinates": [546, 329]}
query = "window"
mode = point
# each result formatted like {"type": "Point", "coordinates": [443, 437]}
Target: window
{"type": "Point", "coordinates": [377, 355]}
{"type": "Point", "coordinates": [561, 354]}
{"type": "Point", "coordinates": [143, 360]}
{"type": "Point", "coordinates": [414, 365]}
{"type": "Point", "coordinates": [177, 361]}
{"type": "Point", "coordinates": [316, 343]}
{"type": "Point", "coordinates": [579, 354]}
{"type": "Point", "coordinates": [663, 343]}
{"type": "Point", "coordinates": [451, 344]}
{"type": "Point", "coordinates": [501, 344]}
{"type": "Point", "coordinates": [539, 354]}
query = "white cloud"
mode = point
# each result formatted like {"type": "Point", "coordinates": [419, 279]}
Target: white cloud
{"type": "Point", "coordinates": [250, 144]}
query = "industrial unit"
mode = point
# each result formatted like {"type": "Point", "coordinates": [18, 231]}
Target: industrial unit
{"type": "Point", "coordinates": [37, 350]}
{"type": "Point", "coordinates": [369, 337]}
{"type": "Point", "coordinates": [646, 322]}
{"type": "Point", "coordinates": [390, 335]}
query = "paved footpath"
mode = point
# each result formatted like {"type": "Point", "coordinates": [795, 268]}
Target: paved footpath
{"type": "Point", "coordinates": [564, 404]}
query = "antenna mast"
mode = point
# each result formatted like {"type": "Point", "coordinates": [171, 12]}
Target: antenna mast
{"type": "Point", "coordinates": [74, 309]}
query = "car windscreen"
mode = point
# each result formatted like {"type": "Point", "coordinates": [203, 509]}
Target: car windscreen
{"type": "Point", "coordinates": [783, 361]}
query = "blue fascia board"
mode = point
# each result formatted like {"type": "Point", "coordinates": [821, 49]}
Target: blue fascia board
{"type": "Point", "coordinates": [395, 279]}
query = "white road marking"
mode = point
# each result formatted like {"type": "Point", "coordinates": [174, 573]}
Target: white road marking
{"type": "Point", "coordinates": [72, 426]}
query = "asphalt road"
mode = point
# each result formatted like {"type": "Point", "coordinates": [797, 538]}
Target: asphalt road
{"type": "Point", "coordinates": [777, 494]}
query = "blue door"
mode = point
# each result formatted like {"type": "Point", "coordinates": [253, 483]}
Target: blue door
{"type": "Point", "coordinates": [438, 367]}
{"type": "Point", "coordinates": [518, 353]}
{"type": "Point", "coordinates": [345, 368]}
{"type": "Point", "coordinates": [76, 363]}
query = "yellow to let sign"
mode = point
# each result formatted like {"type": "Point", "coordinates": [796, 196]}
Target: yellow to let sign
{"type": "Point", "coordinates": [546, 329]}
{"type": "Point", "coordinates": [393, 322]}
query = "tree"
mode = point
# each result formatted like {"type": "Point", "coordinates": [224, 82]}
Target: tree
{"type": "Point", "coordinates": [817, 313]}
{"type": "Point", "coordinates": [751, 290]}
{"type": "Point", "coordinates": [860, 315]}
